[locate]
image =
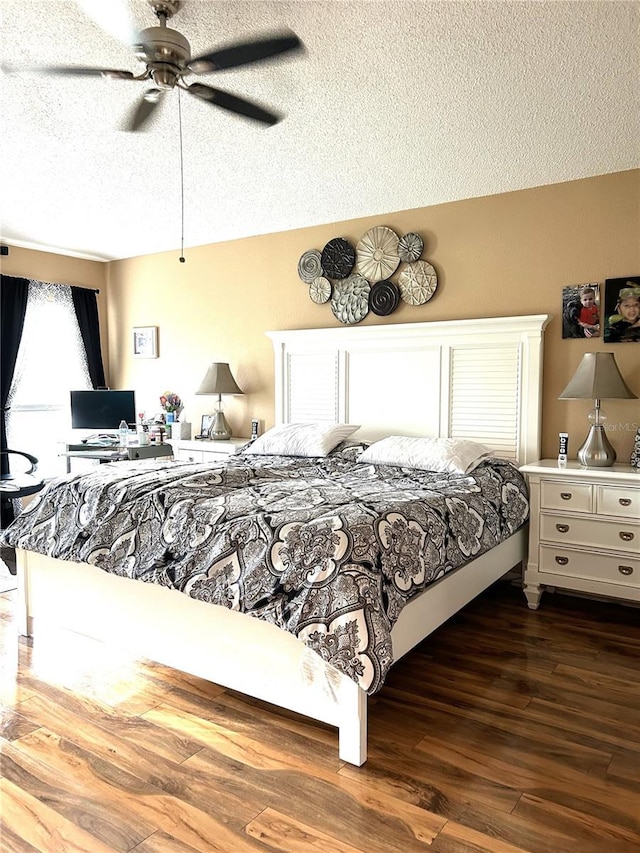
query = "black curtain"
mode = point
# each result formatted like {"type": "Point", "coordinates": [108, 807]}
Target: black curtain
{"type": "Point", "coordinates": [14, 293]}
{"type": "Point", "coordinates": [85, 303]}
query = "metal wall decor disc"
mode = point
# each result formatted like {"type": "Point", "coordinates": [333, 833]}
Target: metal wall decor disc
{"type": "Point", "coordinates": [350, 300]}
{"type": "Point", "coordinates": [384, 298]}
{"type": "Point", "coordinates": [410, 248]}
{"type": "Point", "coordinates": [377, 254]}
{"type": "Point", "coordinates": [310, 265]}
{"type": "Point", "coordinates": [320, 290]}
{"type": "Point", "coordinates": [338, 258]}
{"type": "Point", "coordinates": [417, 282]}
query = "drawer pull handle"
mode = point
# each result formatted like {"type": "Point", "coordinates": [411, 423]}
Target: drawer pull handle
{"type": "Point", "coordinates": [566, 496]}
{"type": "Point", "coordinates": [562, 561]}
{"type": "Point", "coordinates": [626, 536]}
{"type": "Point", "coordinates": [625, 570]}
{"type": "Point", "coordinates": [624, 501]}
{"type": "Point", "coordinates": [564, 528]}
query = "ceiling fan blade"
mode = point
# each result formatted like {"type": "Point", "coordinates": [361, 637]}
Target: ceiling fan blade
{"type": "Point", "coordinates": [113, 17]}
{"type": "Point", "coordinates": [244, 53]}
{"type": "Point", "coordinates": [233, 103]}
{"type": "Point", "coordinates": [83, 71]}
{"type": "Point", "coordinates": [144, 111]}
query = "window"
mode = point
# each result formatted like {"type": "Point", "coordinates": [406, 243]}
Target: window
{"type": "Point", "coordinates": [51, 362]}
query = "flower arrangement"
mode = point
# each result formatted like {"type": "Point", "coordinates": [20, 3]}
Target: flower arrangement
{"type": "Point", "coordinates": [170, 402]}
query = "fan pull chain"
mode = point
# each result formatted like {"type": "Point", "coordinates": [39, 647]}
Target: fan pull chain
{"type": "Point", "coordinates": [182, 258]}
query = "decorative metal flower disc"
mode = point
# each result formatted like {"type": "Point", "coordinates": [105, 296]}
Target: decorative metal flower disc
{"type": "Point", "coordinates": [310, 265]}
{"type": "Point", "coordinates": [377, 254]}
{"type": "Point", "coordinates": [350, 300]}
{"type": "Point", "coordinates": [320, 290]}
{"type": "Point", "coordinates": [417, 282]}
{"type": "Point", "coordinates": [338, 258]}
{"type": "Point", "coordinates": [410, 248]}
{"type": "Point", "coordinates": [384, 298]}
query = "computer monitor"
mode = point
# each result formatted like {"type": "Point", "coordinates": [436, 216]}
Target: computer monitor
{"type": "Point", "coordinates": [102, 409]}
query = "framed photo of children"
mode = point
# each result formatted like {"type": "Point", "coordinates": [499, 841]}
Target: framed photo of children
{"type": "Point", "coordinates": [581, 311]}
{"type": "Point", "coordinates": [622, 310]}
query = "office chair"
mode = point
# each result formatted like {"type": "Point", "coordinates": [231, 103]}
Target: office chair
{"type": "Point", "coordinates": [19, 485]}
{"type": "Point", "coordinates": [16, 485]}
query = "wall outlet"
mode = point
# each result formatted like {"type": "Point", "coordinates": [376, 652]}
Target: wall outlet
{"type": "Point", "coordinates": [255, 425]}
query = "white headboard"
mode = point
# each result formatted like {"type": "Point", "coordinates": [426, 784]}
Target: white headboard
{"type": "Point", "coordinates": [478, 379]}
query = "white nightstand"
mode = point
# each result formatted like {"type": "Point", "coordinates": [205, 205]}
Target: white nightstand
{"type": "Point", "coordinates": [584, 532]}
{"type": "Point", "coordinates": [205, 451]}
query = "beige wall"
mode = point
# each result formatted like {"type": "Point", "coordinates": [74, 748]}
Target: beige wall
{"type": "Point", "coordinates": [507, 254]}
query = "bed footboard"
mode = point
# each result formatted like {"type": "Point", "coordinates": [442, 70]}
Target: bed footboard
{"type": "Point", "coordinates": [230, 648]}
{"type": "Point", "coordinates": [223, 646]}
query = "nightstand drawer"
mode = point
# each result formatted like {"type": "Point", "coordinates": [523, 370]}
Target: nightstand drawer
{"type": "Point", "coordinates": [567, 563]}
{"type": "Point", "coordinates": [207, 451]}
{"type": "Point", "coordinates": [577, 497]}
{"type": "Point", "coordinates": [215, 456]}
{"type": "Point", "coordinates": [618, 500]}
{"type": "Point", "coordinates": [608, 535]}
{"type": "Point", "coordinates": [182, 455]}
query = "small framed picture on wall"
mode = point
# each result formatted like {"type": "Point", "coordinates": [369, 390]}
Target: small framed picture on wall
{"type": "Point", "coordinates": [581, 311]}
{"type": "Point", "coordinates": [622, 310]}
{"type": "Point", "coordinates": [145, 342]}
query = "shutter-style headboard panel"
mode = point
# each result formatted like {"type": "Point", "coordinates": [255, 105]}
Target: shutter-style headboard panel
{"type": "Point", "coordinates": [478, 379]}
{"type": "Point", "coordinates": [484, 399]}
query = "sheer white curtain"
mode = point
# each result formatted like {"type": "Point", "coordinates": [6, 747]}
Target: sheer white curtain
{"type": "Point", "coordinates": [51, 362]}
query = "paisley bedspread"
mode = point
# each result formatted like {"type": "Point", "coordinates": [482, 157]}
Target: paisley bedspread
{"type": "Point", "coordinates": [327, 549]}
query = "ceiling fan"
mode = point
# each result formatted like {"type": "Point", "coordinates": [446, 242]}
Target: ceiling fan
{"type": "Point", "coordinates": [168, 62]}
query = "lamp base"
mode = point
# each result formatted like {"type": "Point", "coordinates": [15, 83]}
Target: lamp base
{"type": "Point", "coordinates": [219, 430]}
{"type": "Point", "coordinates": [596, 452]}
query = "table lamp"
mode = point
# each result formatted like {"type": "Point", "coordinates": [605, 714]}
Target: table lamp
{"type": "Point", "coordinates": [596, 378]}
{"type": "Point", "coordinates": [219, 380]}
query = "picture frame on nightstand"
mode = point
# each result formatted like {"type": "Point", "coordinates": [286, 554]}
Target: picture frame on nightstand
{"type": "Point", "coordinates": [205, 426]}
{"type": "Point", "coordinates": [635, 453]}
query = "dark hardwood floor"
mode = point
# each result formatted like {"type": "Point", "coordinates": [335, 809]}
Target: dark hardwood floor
{"type": "Point", "coordinates": [507, 730]}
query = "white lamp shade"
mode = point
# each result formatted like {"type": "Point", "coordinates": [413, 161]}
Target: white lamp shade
{"type": "Point", "coordinates": [219, 380]}
{"type": "Point", "coordinates": [597, 378]}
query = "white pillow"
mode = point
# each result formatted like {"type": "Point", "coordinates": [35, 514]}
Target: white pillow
{"type": "Point", "coordinates": [449, 455]}
{"type": "Point", "coordinates": [315, 439]}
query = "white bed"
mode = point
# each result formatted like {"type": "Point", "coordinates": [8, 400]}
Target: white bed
{"type": "Point", "coordinates": [478, 379]}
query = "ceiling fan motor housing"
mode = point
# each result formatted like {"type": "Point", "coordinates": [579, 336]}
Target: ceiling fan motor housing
{"type": "Point", "coordinates": [162, 44]}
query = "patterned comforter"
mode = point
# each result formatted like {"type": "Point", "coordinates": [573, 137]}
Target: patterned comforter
{"type": "Point", "coordinates": [327, 549]}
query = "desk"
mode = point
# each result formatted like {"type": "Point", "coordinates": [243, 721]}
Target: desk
{"type": "Point", "coordinates": [109, 453]}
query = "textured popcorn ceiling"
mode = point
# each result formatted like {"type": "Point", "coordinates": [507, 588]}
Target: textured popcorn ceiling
{"type": "Point", "coordinates": [395, 105]}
